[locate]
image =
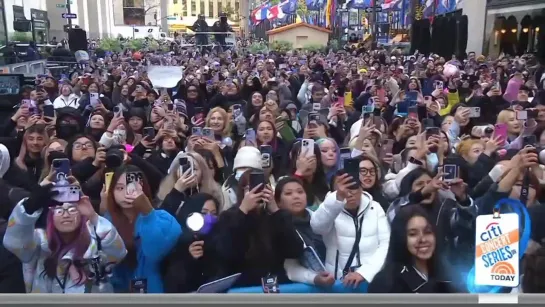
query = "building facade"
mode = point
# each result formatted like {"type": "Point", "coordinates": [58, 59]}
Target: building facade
{"type": "Point", "coordinates": [183, 13]}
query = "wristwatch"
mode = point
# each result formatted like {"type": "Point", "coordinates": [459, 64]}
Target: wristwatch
{"type": "Point", "coordinates": [413, 160]}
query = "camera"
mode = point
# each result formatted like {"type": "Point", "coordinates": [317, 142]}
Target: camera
{"type": "Point", "coordinates": [114, 157]}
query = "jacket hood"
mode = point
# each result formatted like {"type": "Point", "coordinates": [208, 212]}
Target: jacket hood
{"type": "Point", "coordinates": [5, 160]}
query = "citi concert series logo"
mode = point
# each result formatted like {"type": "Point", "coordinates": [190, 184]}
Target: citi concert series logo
{"type": "Point", "coordinates": [496, 250]}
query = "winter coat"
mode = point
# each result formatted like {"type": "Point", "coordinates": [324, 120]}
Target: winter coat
{"type": "Point", "coordinates": [155, 235]}
{"type": "Point", "coordinates": [31, 246]}
{"type": "Point", "coordinates": [338, 228]}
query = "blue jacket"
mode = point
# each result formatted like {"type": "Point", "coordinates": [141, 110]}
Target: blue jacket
{"type": "Point", "coordinates": [154, 235]}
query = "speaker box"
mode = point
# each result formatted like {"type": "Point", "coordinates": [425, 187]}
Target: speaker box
{"type": "Point", "coordinates": [77, 39]}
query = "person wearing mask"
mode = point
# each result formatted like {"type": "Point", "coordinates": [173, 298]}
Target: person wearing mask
{"type": "Point", "coordinates": [192, 262]}
{"type": "Point", "coordinates": [411, 264]}
{"type": "Point", "coordinates": [353, 256]}
{"type": "Point", "coordinates": [255, 237]}
{"type": "Point", "coordinates": [149, 234]}
{"type": "Point", "coordinates": [247, 157]}
{"type": "Point", "coordinates": [55, 257]}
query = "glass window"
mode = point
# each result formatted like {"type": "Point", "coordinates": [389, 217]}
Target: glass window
{"type": "Point", "coordinates": [210, 8]}
{"type": "Point", "coordinates": [201, 11]}
{"type": "Point", "coordinates": [220, 8]}
{"type": "Point", "coordinates": [193, 7]}
{"type": "Point", "coordinates": [174, 1]}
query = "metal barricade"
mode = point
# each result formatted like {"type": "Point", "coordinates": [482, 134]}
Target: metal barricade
{"type": "Point", "coordinates": [31, 68]}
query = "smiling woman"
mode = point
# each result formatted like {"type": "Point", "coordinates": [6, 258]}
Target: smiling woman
{"type": "Point", "coordinates": [411, 264]}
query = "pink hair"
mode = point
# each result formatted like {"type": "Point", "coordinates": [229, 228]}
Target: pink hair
{"type": "Point", "coordinates": [58, 248]}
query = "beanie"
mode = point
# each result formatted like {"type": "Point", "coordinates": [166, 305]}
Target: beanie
{"type": "Point", "coordinates": [247, 156]}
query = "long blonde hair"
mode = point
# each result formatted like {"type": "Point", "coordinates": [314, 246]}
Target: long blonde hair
{"type": "Point", "coordinates": [206, 184]}
{"type": "Point", "coordinates": [45, 154]}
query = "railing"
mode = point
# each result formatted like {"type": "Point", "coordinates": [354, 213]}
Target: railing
{"type": "Point", "coordinates": [337, 287]}
{"type": "Point", "coordinates": [32, 68]}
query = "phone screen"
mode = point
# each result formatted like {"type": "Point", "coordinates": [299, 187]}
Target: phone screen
{"type": "Point", "coordinates": [132, 180]}
{"type": "Point", "coordinates": [257, 178]}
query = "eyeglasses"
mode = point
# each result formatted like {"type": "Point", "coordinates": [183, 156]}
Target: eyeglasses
{"type": "Point", "coordinates": [59, 211]}
{"type": "Point", "coordinates": [368, 171]}
{"type": "Point", "coordinates": [79, 146]}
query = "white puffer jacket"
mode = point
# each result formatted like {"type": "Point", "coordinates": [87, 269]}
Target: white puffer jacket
{"type": "Point", "coordinates": [338, 229]}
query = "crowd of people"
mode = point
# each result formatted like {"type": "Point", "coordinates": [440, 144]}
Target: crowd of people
{"type": "Point", "coordinates": [362, 170]}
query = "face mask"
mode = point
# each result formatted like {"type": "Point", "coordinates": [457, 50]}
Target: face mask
{"type": "Point", "coordinates": [433, 161]}
{"type": "Point", "coordinates": [67, 131]}
{"type": "Point", "coordinates": [238, 174]}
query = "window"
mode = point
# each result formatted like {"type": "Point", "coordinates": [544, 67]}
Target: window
{"type": "Point", "coordinates": [210, 8]}
{"type": "Point", "coordinates": [237, 10]}
{"type": "Point", "coordinates": [193, 7]}
{"type": "Point", "coordinates": [201, 10]}
{"type": "Point", "coordinates": [175, 14]}
{"type": "Point", "coordinates": [174, 1]}
{"type": "Point", "coordinates": [220, 8]}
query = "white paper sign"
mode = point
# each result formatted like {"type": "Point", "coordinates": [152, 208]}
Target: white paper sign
{"type": "Point", "coordinates": [497, 250]}
{"type": "Point", "coordinates": [165, 76]}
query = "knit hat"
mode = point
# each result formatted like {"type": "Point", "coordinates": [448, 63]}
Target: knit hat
{"type": "Point", "coordinates": [247, 156]}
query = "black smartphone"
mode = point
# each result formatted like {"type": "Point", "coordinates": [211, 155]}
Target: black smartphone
{"type": "Point", "coordinates": [428, 123]}
{"type": "Point", "coordinates": [170, 107]}
{"type": "Point", "coordinates": [257, 178]}
{"type": "Point", "coordinates": [529, 140]}
{"type": "Point", "coordinates": [185, 164]}
{"type": "Point", "coordinates": [431, 132]}
{"type": "Point", "coordinates": [266, 156]}
{"type": "Point", "coordinates": [352, 167]}
{"type": "Point", "coordinates": [49, 110]}
{"type": "Point", "coordinates": [149, 132]}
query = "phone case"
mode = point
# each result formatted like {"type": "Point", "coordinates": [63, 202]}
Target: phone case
{"type": "Point", "coordinates": [307, 147]}
{"type": "Point", "coordinates": [132, 180]}
{"type": "Point", "coordinates": [67, 194]}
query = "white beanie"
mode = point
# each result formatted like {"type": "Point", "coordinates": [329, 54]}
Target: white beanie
{"type": "Point", "coordinates": [248, 156]}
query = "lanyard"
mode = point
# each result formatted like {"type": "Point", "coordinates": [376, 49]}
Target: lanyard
{"type": "Point", "coordinates": [64, 279]}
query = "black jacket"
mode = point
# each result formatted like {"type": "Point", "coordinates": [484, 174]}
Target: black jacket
{"type": "Point", "coordinates": [255, 245]}
{"type": "Point", "coordinates": [399, 278]}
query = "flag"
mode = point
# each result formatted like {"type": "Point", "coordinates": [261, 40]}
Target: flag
{"type": "Point", "coordinates": [328, 8]}
{"type": "Point", "coordinates": [275, 12]}
{"type": "Point", "coordinates": [315, 5]}
{"type": "Point", "coordinates": [260, 13]}
{"type": "Point", "coordinates": [289, 7]}
{"type": "Point", "coordinates": [392, 4]}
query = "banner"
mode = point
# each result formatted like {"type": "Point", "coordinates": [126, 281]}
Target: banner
{"type": "Point", "coordinates": [165, 76]}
